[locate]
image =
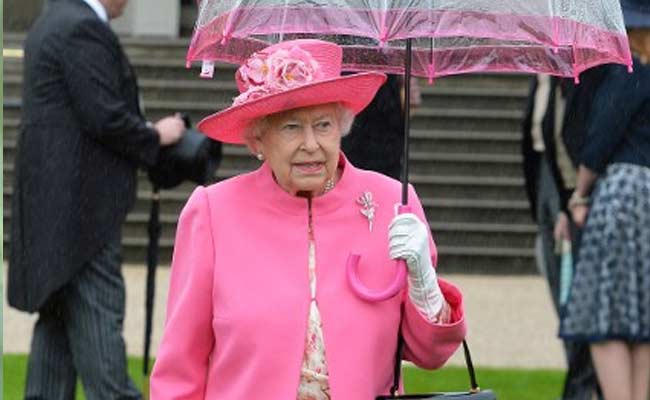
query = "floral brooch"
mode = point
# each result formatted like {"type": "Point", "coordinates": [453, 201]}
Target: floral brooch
{"type": "Point", "coordinates": [367, 207]}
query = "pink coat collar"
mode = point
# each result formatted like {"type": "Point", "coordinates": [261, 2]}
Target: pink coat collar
{"type": "Point", "coordinates": [321, 205]}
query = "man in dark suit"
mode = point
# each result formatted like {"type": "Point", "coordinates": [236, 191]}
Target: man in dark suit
{"type": "Point", "coordinates": [81, 140]}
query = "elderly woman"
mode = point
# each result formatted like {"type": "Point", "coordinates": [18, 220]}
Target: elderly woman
{"type": "Point", "coordinates": [259, 304]}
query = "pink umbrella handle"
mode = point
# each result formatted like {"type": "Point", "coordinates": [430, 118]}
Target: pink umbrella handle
{"type": "Point", "coordinates": [397, 283]}
{"type": "Point", "coordinates": [375, 295]}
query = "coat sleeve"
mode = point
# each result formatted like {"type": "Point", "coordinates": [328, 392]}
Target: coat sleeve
{"type": "Point", "coordinates": [94, 74]}
{"type": "Point", "coordinates": [614, 106]}
{"type": "Point", "coordinates": [181, 367]}
{"type": "Point", "coordinates": [430, 345]}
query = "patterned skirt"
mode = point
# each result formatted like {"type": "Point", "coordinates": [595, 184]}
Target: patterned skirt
{"type": "Point", "coordinates": [610, 293]}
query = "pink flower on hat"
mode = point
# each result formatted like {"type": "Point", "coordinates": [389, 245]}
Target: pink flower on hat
{"type": "Point", "coordinates": [253, 93]}
{"type": "Point", "coordinates": [281, 70]}
{"type": "Point", "coordinates": [254, 72]}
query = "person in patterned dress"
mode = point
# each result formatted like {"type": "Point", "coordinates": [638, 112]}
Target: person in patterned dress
{"type": "Point", "coordinates": [259, 300]}
{"type": "Point", "coordinates": [609, 303]}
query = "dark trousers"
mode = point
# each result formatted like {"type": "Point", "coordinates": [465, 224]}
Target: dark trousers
{"type": "Point", "coordinates": [548, 207]}
{"type": "Point", "coordinates": [79, 333]}
{"type": "Point", "coordinates": [581, 381]}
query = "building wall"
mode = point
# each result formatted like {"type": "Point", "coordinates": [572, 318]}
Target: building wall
{"type": "Point", "coordinates": [18, 15]}
{"type": "Point", "coordinates": [141, 17]}
{"type": "Point", "coordinates": [150, 18]}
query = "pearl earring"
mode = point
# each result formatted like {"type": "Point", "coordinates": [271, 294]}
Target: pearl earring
{"type": "Point", "coordinates": [260, 156]}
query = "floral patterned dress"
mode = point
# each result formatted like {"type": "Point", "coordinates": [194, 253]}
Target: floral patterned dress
{"type": "Point", "coordinates": [314, 382]}
{"type": "Point", "coordinates": [314, 378]}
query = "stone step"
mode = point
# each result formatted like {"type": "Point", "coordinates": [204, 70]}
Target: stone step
{"type": "Point", "coordinates": [427, 187]}
{"type": "Point", "coordinates": [151, 68]}
{"type": "Point", "coordinates": [477, 211]}
{"type": "Point", "coordinates": [472, 97]}
{"type": "Point", "coordinates": [442, 209]}
{"type": "Point", "coordinates": [153, 47]}
{"type": "Point", "coordinates": [468, 187]}
{"type": "Point", "coordinates": [422, 119]}
{"type": "Point", "coordinates": [471, 141]}
{"type": "Point", "coordinates": [234, 157]}
{"type": "Point", "coordinates": [176, 49]}
{"type": "Point", "coordinates": [184, 90]}
{"type": "Point", "coordinates": [485, 235]}
{"type": "Point", "coordinates": [497, 165]}
{"type": "Point", "coordinates": [10, 128]}
{"type": "Point", "coordinates": [486, 260]}
{"type": "Point", "coordinates": [452, 259]}
{"type": "Point", "coordinates": [463, 119]}
{"type": "Point", "coordinates": [172, 65]}
{"type": "Point", "coordinates": [469, 164]}
{"type": "Point", "coordinates": [441, 141]}
{"type": "Point", "coordinates": [134, 250]}
{"type": "Point", "coordinates": [467, 235]}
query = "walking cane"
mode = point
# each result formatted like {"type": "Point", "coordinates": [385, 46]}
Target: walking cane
{"type": "Point", "coordinates": [152, 262]}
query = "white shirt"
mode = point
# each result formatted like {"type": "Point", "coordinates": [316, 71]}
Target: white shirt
{"type": "Point", "coordinates": [539, 109]}
{"type": "Point", "coordinates": [567, 170]}
{"type": "Point", "coordinates": [98, 8]}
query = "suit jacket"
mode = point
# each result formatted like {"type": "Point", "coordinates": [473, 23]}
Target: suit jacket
{"type": "Point", "coordinates": [82, 136]}
{"type": "Point", "coordinates": [376, 140]}
{"type": "Point", "coordinates": [239, 293]}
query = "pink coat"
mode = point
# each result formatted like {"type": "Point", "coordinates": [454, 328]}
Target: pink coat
{"type": "Point", "coordinates": [239, 293]}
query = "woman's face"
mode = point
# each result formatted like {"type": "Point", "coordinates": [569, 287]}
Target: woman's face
{"type": "Point", "coordinates": [302, 147]}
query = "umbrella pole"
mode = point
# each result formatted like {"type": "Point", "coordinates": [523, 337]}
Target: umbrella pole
{"type": "Point", "coordinates": [152, 263]}
{"type": "Point", "coordinates": [407, 120]}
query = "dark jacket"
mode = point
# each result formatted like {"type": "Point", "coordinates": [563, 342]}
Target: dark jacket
{"type": "Point", "coordinates": [578, 104]}
{"type": "Point", "coordinates": [82, 137]}
{"type": "Point", "coordinates": [619, 128]}
{"type": "Point", "coordinates": [376, 141]}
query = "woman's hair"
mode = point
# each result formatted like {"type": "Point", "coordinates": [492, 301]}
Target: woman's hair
{"type": "Point", "coordinates": [257, 127]}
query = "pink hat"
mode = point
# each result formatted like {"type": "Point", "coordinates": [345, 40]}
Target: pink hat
{"type": "Point", "coordinates": [288, 75]}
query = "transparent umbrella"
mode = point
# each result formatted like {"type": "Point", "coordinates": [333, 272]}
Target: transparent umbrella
{"type": "Point", "coordinates": [426, 38]}
{"type": "Point", "coordinates": [558, 37]}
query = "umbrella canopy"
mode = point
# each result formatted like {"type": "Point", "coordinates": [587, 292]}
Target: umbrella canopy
{"type": "Point", "coordinates": [558, 37]}
{"type": "Point", "coordinates": [428, 38]}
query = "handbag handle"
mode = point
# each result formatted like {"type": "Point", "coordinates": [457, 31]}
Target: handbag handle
{"type": "Point", "coordinates": [397, 371]}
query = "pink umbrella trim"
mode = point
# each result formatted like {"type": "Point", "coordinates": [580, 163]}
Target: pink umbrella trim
{"type": "Point", "coordinates": [532, 44]}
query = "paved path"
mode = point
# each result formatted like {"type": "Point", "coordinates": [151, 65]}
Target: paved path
{"type": "Point", "coordinates": [511, 321]}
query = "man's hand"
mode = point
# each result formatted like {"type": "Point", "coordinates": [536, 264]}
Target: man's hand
{"type": "Point", "coordinates": [170, 129]}
{"type": "Point", "coordinates": [561, 231]}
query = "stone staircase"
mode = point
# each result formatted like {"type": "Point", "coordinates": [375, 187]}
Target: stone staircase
{"type": "Point", "coordinates": [465, 158]}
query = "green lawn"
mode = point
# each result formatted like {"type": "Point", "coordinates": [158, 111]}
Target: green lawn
{"type": "Point", "coordinates": [509, 384]}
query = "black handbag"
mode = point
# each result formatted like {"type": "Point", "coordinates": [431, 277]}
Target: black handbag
{"type": "Point", "coordinates": [474, 393]}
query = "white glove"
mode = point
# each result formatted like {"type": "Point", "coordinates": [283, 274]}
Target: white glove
{"type": "Point", "coordinates": [408, 239]}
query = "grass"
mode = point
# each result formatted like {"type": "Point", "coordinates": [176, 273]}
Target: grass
{"type": "Point", "coordinates": [508, 384]}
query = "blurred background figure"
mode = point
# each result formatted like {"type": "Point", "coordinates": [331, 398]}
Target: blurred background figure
{"type": "Point", "coordinates": [82, 138]}
{"type": "Point", "coordinates": [538, 148]}
{"type": "Point", "coordinates": [376, 141]}
{"type": "Point", "coordinates": [609, 305]}
{"type": "Point", "coordinates": [553, 133]}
